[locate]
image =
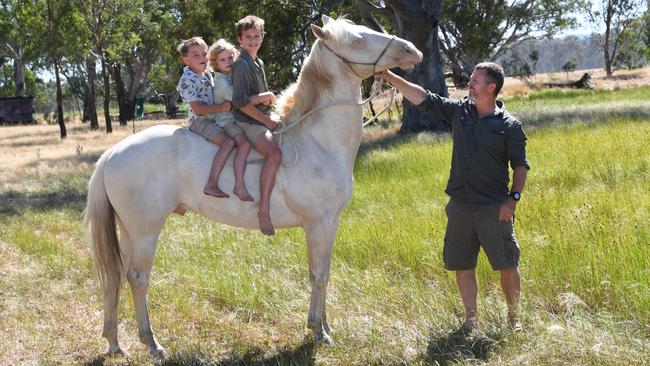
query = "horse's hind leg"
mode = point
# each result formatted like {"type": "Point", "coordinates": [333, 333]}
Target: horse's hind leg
{"type": "Point", "coordinates": [320, 239]}
{"type": "Point", "coordinates": [142, 255]}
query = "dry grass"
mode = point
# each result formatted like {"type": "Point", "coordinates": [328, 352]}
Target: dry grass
{"type": "Point", "coordinates": [622, 79]}
{"type": "Point", "coordinates": [37, 151]}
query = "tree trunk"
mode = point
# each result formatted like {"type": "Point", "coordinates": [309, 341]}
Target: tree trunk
{"type": "Point", "coordinates": [19, 73]}
{"type": "Point", "coordinates": [429, 75]}
{"type": "Point", "coordinates": [59, 101]}
{"type": "Point", "coordinates": [107, 94]}
{"type": "Point", "coordinates": [170, 104]}
{"type": "Point", "coordinates": [126, 108]}
{"type": "Point", "coordinates": [91, 94]}
{"type": "Point", "coordinates": [416, 21]}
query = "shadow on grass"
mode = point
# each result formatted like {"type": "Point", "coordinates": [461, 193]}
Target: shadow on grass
{"type": "Point", "coordinates": [66, 190]}
{"type": "Point", "coordinates": [302, 354]}
{"type": "Point", "coordinates": [399, 139]}
{"type": "Point", "coordinates": [460, 346]}
{"type": "Point", "coordinates": [15, 203]}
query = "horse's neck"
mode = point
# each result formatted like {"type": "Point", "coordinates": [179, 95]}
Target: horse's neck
{"type": "Point", "coordinates": [337, 128]}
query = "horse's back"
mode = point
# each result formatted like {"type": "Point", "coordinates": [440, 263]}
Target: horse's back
{"type": "Point", "coordinates": [146, 172]}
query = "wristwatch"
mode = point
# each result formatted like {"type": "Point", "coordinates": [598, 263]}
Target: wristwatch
{"type": "Point", "coordinates": [515, 195]}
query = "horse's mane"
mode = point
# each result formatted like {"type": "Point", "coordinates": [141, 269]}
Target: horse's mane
{"type": "Point", "coordinates": [314, 80]}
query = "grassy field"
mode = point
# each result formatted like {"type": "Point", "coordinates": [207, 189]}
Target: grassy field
{"type": "Point", "coordinates": [223, 296]}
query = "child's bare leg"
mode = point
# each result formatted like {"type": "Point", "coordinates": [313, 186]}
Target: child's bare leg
{"type": "Point", "coordinates": [226, 145]}
{"type": "Point", "coordinates": [272, 159]}
{"type": "Point", "coordinates": [243, 148]}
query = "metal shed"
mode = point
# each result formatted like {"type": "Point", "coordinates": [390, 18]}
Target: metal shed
{"type": "Point", "coordinates": [16, 109]}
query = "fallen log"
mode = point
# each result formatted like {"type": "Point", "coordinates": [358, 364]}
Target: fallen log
{"type": "Point", "coordinates": [583, 83]}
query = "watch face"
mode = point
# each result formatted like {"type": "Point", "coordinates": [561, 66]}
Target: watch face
{"type": "Point", "coordinates": [516, 196]}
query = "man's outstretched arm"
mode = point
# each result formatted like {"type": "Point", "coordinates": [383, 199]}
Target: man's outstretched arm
{"type": "Point", "coordinates": [413, 92]}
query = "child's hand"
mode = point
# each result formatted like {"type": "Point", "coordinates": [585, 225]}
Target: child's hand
{"type": "Point", "coordinates": [269, 98]}
{"type": "Point", "coordinates": [226, 106]}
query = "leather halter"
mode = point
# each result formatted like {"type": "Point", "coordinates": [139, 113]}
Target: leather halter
{"type": "Point", "coordinates": [348, 62]}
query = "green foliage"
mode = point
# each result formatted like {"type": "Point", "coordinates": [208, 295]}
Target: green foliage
{"type": "Point", "coordinates": [475, 31]}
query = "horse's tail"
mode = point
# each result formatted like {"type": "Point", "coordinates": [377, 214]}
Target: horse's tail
{"type": "Point", "coordinates": [101, 230]}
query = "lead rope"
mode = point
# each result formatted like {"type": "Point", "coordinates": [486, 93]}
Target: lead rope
{"type": "Point", "coordinates": [375, 91]}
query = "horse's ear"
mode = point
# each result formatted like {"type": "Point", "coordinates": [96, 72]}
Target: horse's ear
{"type": "Point", "coordinates": [326, 19]}
{"type": "Point", "coordinates": [320, 32]}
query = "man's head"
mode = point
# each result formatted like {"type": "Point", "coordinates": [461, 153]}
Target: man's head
{"type": "Point", "coordinates": [493, 74]}
{"type": "Point", "coordinates": [250, 33]}
{"type": "Point", "coordinates": [194, 53]}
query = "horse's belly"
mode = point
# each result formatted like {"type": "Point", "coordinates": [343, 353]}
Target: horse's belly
{"type": "Point", "coordinates": [236, 213]}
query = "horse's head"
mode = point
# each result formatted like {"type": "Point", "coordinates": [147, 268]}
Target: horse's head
{"type": "Point", "coordinates": [363, 50]}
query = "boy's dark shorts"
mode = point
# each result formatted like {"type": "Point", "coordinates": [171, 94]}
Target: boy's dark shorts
{"type": "Point", "coordinates": [471, 226]}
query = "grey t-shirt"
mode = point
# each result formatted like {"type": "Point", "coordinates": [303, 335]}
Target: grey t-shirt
{"type": "Point", "coordinates": [248, 79]}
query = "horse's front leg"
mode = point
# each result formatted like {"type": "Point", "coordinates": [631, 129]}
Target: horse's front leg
{"type": "Point", "coordinates": [320, 239]}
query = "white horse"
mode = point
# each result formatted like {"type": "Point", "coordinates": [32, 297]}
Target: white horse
{"type": "Point", "coordinates": [140, 181]}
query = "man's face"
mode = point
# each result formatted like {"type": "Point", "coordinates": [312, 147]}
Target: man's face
{"type": "Point", "coordinates": [251, 40]}
{"type": "Point", "coordinates": [478, 87]}
{"type": "Point", "coordinates": [196, 58]}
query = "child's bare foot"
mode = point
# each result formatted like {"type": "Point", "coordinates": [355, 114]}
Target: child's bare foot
{"type": "Point", "coordinates": [243, 194]}
{"type": "Point", "coordinates": [266, 227]}
{"type": "Point", "coordinates": [214, 191]}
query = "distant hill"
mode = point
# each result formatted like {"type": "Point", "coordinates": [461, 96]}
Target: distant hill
{"type": "Point", "coordinates": [554, 53]}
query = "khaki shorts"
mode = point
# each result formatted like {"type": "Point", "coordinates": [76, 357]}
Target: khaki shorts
{"type": "Point", "coordinates": [252, 131]}
{"type": "Point", "coordinates": [209, 129]}
{"type": "Point", "coordinates": [470, 227]}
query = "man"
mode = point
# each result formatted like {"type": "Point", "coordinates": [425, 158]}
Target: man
{"type": "Point", "coordinates": [481, 208]}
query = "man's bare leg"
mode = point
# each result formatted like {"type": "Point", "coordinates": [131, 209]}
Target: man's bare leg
{"type": "Point", "coordinates": [510, 284]}
{"type": "Point", "coordinates": [226, 145]}
{"type": "Point", "coordinates": [239, 165]}
{"type": "Point", "coordinates": [272, 159]}
{"type": "Point", "coordinates": [466, 280]}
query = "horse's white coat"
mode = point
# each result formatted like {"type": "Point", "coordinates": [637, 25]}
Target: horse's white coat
{"type": "Point", "coordinates": [147, 176]}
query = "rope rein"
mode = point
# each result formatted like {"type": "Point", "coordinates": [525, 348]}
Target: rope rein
{"type": "Point", "coordinates": [375, 91]}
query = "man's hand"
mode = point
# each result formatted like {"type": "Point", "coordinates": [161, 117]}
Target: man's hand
{"type": "Point", "coordinates": [386, 75]}
{"type": "Point", "coordinates": [507, 209]}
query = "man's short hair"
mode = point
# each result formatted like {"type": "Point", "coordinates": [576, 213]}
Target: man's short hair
{"type": "Point", "coordinates": [249, 22]}
{"type": "Point", "coordinates": [185, 45]}
{"type": "Point", "coordinates": [493, 74]}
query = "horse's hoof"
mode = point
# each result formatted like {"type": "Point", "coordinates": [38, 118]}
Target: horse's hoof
{"type": "Point", "coordinates": [116, 351]}
{"type": "Point", "coordinates": [323, 339]}
{"type": "Point", "coordinates": [158, 353]}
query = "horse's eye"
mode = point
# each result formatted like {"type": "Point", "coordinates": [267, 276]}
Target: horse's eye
{"type": "Point", "coordinates": [359, 43]}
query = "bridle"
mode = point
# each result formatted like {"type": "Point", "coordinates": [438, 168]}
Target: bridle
{"type": "Point", "coordinates": [349, 63]}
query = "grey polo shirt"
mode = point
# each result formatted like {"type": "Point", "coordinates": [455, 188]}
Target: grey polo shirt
{"type": "Point", "coordinates": [482, 149]}
{"type": "Point", "coordinates": [248, 79]}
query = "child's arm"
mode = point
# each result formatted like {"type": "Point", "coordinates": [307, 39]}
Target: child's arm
{"type": "Point", "coordinates": [267, 98]}
{"type": "Point", "coordinates": [253, 112]}
{"type": "Point", "coordinates": [201, 109]}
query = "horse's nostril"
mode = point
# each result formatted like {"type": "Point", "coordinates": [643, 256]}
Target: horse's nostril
{"type": "Point", "coordinates": [406, 49]}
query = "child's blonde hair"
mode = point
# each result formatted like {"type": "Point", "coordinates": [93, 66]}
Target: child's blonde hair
{"type": "Point", "coordinates": [186, 44]}
{"type": "Point", "coordinates": [249, 22]}
{"type": "Point", "coordinates": [218, 47]}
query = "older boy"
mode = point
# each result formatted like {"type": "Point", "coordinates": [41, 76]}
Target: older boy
{"type": "Point", "coordinates": [195, 87]}
{"type": "Point", "coordinates": [249, 81]}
